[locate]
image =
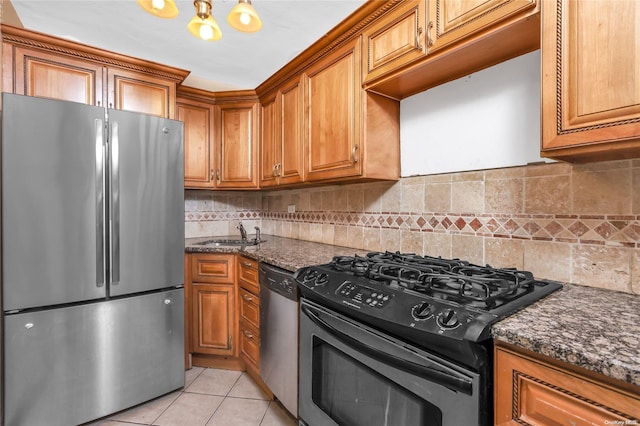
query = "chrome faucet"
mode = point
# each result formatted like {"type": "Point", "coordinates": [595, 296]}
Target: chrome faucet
{"type": "Point", "coordinates": [257, 239]}
{"type": "Point", "coordinates": [243, 232]}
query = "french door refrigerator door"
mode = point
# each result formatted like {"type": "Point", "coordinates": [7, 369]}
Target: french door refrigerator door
{"type": "Point", "coordinates": [52, 202]}
{"type": "Point", "coordinates": [147, 202]}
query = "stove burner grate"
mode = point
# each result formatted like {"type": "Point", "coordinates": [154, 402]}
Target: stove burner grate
{"type": "Point", "coordinates": [449, 279]}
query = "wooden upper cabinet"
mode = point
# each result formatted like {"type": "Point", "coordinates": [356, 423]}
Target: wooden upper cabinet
{"type": "Point", "coordinates": [450, 21]}
{"type": "Point", "coordinates": [332, 125]}
{"type": "Point", "coordinates": [199, 166]}
{"type": "Point", "coordinates": [269, 143]}
{"type": "Point", "coordinates": [131, 91]}
{"type": "Point", "coordinates": [590, 80]}
{"type": "Point", "coordinates": [48, 75]}
{"type": "Point", "coordinates": [290, 116]}
{"type": "Point", "coordinates": [37, 64]}
{"type": "Point", "coordinates": [282, 153]}
{"type": "Point", "coordinates": [237, 141]}
{"type": "Point", "coordinates": [395, 40]}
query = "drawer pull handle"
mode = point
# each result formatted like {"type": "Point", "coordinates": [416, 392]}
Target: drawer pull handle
{"type": "Point", "coordinates": [247, 297]}
{"type": "Point", "coordinates": [247, 264]}
{"type": "Point", "coordinates": [246, 333]}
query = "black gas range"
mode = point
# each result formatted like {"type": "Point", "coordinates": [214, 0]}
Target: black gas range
{"type": "Point", "coordinates": [444, 305]}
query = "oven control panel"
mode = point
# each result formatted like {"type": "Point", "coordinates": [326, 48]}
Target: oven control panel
{"type": "Point", "coordinates": [362, 294]}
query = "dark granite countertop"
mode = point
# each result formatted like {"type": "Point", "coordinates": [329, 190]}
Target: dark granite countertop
{"type": "Point", "coordinates": [592, 328]}
{"type": "Point", "coordinates": [285, 253]}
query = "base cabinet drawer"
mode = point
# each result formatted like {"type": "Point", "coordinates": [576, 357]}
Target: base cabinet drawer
{"type": "Point", "coordinates": [249, 308]}
{"type": "Point", "coordinates": [213, 268]}
{"type": "Point", "coordinates": [531, 390]}
{"type": "Point", "coordinates": [250, 346]}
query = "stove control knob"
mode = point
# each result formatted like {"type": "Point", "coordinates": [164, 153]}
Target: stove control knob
{"type": "Point", "coordinates": [448, 319]}
{"type": "Point", "coordinates": [422, 311]}
{"type": "Point", "coordinates": [322, 279]}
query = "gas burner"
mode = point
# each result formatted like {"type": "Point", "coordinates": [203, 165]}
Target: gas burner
{"type": "Point", "coordinates": [356, 264]}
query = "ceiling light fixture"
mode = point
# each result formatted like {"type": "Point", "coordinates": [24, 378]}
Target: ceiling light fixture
{"type": "Point", "coordinates": [243, 17]}
{"type": "Point", "coordinates": [203, 25]}
{"type": "Point", "coordinates": [160, 8]}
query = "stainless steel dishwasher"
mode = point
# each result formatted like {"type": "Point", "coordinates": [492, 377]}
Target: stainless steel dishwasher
{"type": "Point", "coordinates": [279, 334]}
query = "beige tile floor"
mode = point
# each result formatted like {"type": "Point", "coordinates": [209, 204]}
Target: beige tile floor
{"type": "Point", "coordinates": [210, 397]}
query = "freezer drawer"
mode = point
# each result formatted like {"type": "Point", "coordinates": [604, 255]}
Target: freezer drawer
{"type": "Point", "coordinates": [72, 365]}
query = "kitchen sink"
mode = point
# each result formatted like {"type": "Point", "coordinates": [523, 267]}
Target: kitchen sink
{"type": "Point", "coordinates": [229, 242]}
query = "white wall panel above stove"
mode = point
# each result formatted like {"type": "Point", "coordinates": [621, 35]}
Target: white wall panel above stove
{"type": "Point", "coordinates": [485, 120]}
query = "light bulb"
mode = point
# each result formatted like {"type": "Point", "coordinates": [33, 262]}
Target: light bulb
{"type": "Point", "coordinates": [245, 18]}
{"type": "Point", "coordinates": [206, 32]}
{"type": "Point", "coordinates": [157, 4]}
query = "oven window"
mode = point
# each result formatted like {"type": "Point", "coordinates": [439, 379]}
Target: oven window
{"type": "Point", "coordinates": [353, 394]}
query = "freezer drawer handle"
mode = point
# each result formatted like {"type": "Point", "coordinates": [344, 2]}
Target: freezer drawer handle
{"type": "Point", "coordinates": [451, 381]}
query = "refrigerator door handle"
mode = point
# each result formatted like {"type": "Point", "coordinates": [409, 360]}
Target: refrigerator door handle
{"type": "Point", "coordinates": [99, 128]}
{"type": "Point", "coordinates": [115, 204]}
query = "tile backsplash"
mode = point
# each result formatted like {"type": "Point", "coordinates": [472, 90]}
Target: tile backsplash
{"type": "Point", "coordinates": [572, 223]}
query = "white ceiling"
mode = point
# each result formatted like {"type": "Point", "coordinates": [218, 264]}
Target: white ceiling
{"type": "Point", "coordinates": [237, 61]}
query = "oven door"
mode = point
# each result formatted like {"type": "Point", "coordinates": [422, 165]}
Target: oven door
{"type": "Point", "coordinates": [353, 375]}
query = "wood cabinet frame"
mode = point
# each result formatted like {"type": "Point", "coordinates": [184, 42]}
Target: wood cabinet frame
{"type": "Point", "coordinates": [533, 389]}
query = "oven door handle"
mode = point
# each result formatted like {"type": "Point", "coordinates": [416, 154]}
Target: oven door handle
{"type": "Point", "coordinates": [457, 383]}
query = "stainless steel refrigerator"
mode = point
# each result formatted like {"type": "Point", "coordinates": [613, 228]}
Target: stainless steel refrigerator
{"type": "Point", "coordinates": [92, 260]}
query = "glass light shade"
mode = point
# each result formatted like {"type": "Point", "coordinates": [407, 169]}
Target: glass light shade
{"type": "Point", "coordinates": [205, 29]}
{"type": "Point", "coordinates": [243, 17]}
{"type": "Point", "coordinates": [160, 8]}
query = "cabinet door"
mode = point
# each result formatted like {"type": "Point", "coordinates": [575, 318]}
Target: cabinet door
{"type": "Point", "coordinates": [237, 143]}
{"type": "Point", "coordinates": [131, 91]}
{"type": "Point", "coordinates": [58, 77]}
{"type": "Point", "coordinates": [590, 80]}
{"type": "Point", "coordinates": [530, 391]}
{"type": "Point", "coordinates": [291, 164]}
{"type": "Point", "coordinates": [269, 152]}
{"type": "Point", "coordinates": [213, 318]}
{"type": "Point", "coordinates": [199, 169]}
{"type": "Point", "coordinates": [332, 126]}
{"type": "Point", "coordinates": [450, 21]}
{"type": "Point", "coordinates": [398, 39]}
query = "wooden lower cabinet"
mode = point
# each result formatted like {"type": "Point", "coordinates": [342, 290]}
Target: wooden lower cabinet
{"type": "Point", "coordinates": [249, 313]}
{"type": "Point", "coordinates": [223, 312]}
{"type": "Point", "coordinates": [531, 389]}
{"type": "Point", "coordinates": [212, 313]}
